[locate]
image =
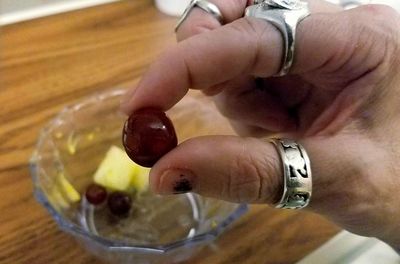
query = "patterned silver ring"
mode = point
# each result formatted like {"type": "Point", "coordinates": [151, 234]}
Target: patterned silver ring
{"type": "Point", "coordinates": [297, 186]}
{"type": "Point", "coordinates": [204, 5]}
{"type": "Point", "coordinates": [285, 15]}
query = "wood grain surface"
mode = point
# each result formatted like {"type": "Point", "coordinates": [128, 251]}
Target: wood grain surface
{"type": "Point", "coordinates": [48, 63]}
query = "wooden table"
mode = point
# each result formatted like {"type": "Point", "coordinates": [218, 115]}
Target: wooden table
{"type": "Point", "coordinates": [48, 63]}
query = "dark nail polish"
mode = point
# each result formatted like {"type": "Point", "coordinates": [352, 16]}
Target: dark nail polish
{"type": "Point", "coordinates": [259, 83]}
{"type": "Point", "coordinates": [183, 185]}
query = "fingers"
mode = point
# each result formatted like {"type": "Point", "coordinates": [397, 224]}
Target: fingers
{"type": "Point", "coordinates": [249, 46]}
{"type": "Point", "coordinates": [245, 46]}
{"type": "Point", "coordinates": [209, 59]}
{"type": "Point", "coordinates": [199, 21]}
{"type": "Point", "coordinates": [229, 168]}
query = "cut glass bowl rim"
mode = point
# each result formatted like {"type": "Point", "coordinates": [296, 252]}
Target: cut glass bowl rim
{"type": "Point", "coordinates": [76, 230]}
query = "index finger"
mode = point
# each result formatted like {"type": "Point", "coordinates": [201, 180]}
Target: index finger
{"type": "Point", "coordinates": [247, 46]}
{"type": "Point", "coordinates": [208, 59]}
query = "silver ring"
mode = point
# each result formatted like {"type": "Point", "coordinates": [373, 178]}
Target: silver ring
{"type": "Point", "coordinates": [206, 6]}
{"type": "Point", "coordinates": [256, 2]}
{"type": "Point", "coordinates": [285, 15]}
{"type": "Point", "coordinates": [297, 186]}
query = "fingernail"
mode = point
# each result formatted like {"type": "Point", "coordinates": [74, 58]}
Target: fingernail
{"type": "Point", "coordinates": [176, 181]}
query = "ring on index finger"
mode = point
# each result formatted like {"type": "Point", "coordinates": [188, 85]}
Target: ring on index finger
{"type": "Point", "coordinates": [204, 5]}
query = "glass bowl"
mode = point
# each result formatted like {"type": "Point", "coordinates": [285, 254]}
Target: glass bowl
{"type": "Point", "coordinates": [166, 229]}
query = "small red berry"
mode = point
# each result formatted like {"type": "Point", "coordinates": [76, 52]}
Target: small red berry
{"type": "Point", "coordinates": [119, 203]}
{"type": "Point", "coordinates": [95, 194]}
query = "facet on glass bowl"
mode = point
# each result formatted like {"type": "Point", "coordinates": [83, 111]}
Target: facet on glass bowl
{"type": "Point", "coordinates": [73, 144]}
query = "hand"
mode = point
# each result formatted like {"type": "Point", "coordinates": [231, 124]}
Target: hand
{"type": "Point", "coordinates": [340, 101]}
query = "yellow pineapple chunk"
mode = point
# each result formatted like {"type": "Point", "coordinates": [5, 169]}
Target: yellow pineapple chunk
{"type": "Point", "coordinates": [116, 170]}
{"type": "Point", "coordinates": [67, 189]}
{"type": "Point", "coordinates": [57, 199]}
{"type": "Point", "coordinates": [140, 180]}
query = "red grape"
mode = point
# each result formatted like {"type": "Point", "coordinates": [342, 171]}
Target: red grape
{"type": "Point", "coordinates": [119, 203]}
{"type": "Point", "coordinates": [148, 135]}
{"type": "Point", "coordinates": [95, 194]}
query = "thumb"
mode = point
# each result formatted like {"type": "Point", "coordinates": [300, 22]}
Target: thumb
{"type": "Point", "coordinates": [225, 167]}
{"type": "Point", "coordinates": [351, 185]}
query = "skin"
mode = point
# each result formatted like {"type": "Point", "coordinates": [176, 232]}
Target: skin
{"type": "Point", "coordinates": [340, 101]}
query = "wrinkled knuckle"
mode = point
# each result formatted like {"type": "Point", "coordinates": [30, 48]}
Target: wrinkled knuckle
{"type": "Point", "coordinates": [248, 28]}
{"type": "Point", "coordinates": [251, 176]}
{"type": "Point", "coordinates": [374, 34]}
{"type": "Point", "coordinates": [193, 29]}
{"type": "Point", "coordinates": [383, 19]}
{"type": "Point", "coordinates": [254, 34]}
{"type": "Point", "coordinates": [385, 28]}
{"type": "Point", "coordinates": [244, 183]}
{"type": "Point", "coordinates": [259, 31]}
{"type": "Point", "coordinates": [245, 25]}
